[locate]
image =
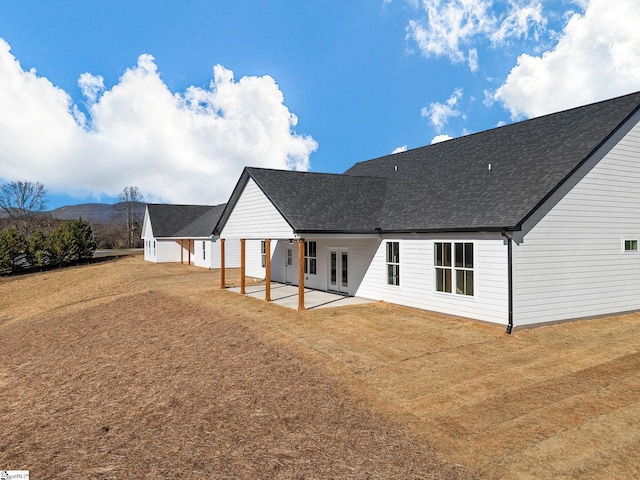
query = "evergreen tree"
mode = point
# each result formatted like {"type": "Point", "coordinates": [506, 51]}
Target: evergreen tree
{"type": "Point", "coordinates": [36, 253]}
{"type": "Point", "coordinates": [84, 240]}
{"type": "Point", "coordinates": [60, 246]}
{"type": "Point", "coordinates": [12, 247]}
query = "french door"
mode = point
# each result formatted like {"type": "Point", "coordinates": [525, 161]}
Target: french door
{"type": "Point", "coordinates": [338, 270]}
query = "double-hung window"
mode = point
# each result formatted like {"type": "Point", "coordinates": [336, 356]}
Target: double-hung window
{"type": "Point", "coordinates": [453, 264]}
{"type": "Point", "coordinates": [204, 251]}
{"type": "Point", "coordinates": [310, 258]}
{"type": "Point", "coordinates": [263, 253]}
{"type": "Point", "coordinates": [393, 263]}
{"type": "Point", "coordinates": [631, 245]}
{"type": "Point", "coordinates": [442, 262]}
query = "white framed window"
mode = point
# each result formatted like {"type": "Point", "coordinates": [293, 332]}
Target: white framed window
{"type": "Point", "coordinates": [453, 266]}
{"type": "Point", "coordinates": [263, 253]}
{"type": "Point", "coordinates": [154, 247]}
{"type": "Point", "coordinates": [630, 245]}
{"type": "Point", "coordinates": [204, 251]}
{"type": "Point", "coordinates": [310, 258]}
{"type": "Point", "coordinates": [393, 263]}
{"type": "Point", "coordinates": [443, 266]}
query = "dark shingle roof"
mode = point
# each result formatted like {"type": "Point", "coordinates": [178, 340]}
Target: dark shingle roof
{"type": "Point", "coordinates": [322, 201]}
{"type": "Point", "coordinates": [183, 221]}
{"type": "Point", "coordinates": [448, 186]}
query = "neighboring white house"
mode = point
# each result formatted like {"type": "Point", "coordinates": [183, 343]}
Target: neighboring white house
{"type": "Point", "coordinates": [184, 234]}
{"type": "Point", "coordinates": [529, 223]}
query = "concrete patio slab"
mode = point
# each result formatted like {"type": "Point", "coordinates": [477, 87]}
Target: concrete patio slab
{"type": "Point", "coordinates": [287, 296]}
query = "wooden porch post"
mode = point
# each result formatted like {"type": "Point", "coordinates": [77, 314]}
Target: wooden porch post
{"type": "Point", "coordinates": [242, 266]}
{"type": "Point", "coordinates": [267, 251]}
{"type": "Point", "coordinates": [300, 274]}
{"type": "Point", "coordinates": [222, 279]}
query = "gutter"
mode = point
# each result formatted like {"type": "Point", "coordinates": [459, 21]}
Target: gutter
{"type": "Point", "coordinates": [509, 278]}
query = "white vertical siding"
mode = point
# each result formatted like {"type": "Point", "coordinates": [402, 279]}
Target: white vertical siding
{"type": "Point", "coordinates": [570, 263]}
{"type": "Point", "coordinates": [254, 216]}
{"type": "Point", "coordinates": [253, 262]}
{"type": "Point", "coordinates": [197, 257]}
{"type": "Point", "coordinates": [231, 253]}
{"type": "Point", "coordinates": [169, 251]}
{"type": "Point", "coordinates": [149, 255]}
{"type": "Point", "coordinates": [417, 289]}
{"type": "Point", "coordinates": [147, 236]}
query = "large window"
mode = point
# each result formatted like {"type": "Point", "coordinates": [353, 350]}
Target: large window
{"type": "Point", "coordinates": [310, 258]}
{"type": "Point", "coordinates": [393, 263]}
{"type": "Point", "coordinates": [453, 264]}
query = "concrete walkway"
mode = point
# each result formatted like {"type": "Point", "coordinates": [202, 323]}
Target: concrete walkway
{"type": "Point", "coordinates": [287, 296]}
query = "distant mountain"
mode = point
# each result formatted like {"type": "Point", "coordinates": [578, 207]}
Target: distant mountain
{"type": "Point", "coordinates": [94, 212]}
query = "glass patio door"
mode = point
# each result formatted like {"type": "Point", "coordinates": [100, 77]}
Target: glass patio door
{"type": "Point", "coordinates": [339, 270]}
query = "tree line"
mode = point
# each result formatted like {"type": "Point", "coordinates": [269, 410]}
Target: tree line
{"type": "Point", "coordinates": [72, 241]}
{"type": "Point", "coordinates": [31, 238]}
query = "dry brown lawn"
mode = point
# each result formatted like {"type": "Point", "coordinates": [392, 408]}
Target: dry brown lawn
{"type": "Point", "coordinates": [133, 370]}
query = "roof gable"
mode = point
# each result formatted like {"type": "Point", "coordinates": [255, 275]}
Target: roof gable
{"type": "Point", "coordinates": [321, 201]}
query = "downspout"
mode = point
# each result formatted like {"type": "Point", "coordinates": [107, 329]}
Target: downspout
{"type": "Point", "coordinates": [509, 279]}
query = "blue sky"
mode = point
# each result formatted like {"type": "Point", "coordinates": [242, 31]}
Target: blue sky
{"type": "Point", "coordinates": [177, 97]}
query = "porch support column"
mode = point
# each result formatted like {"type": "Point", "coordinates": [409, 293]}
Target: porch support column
{"type": "Point", "coordinates": [267, 251]}
{"type": "Point", "coordinates": [242, 266]}
{"type": "Point", "coordinates": [300, 274]}
{"type": "Point", "coordinates": [222, 279]}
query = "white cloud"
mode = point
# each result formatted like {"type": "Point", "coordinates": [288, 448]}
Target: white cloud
{"type": "Point", "coordinates": [519, 21]}
{"type": "Point", "coordinates": [474, 61]}
{"type": "Point", "coordinates": [596, 57]}
{"type": "Point", "coordinates": [185, 147]}
{"type": "Point", "coordinates": [91, 85]}
{"type": "Point", "coordinates": [440, 138]}
{"type": "Point", "coordinates": [401, 149]}
{"type": "Point", "coordinates": [440, 113]}
{"type": "Point", "coordinates": [449, 27]}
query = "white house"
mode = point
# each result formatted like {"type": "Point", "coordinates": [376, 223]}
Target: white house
{"type": "Point", "coordinates": [529, 223]}
{"type": "Point", "coordinates": [184, 234]}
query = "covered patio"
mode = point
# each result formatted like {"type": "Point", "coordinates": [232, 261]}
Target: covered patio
{"type": "Point", "coordinates": [287, 296]}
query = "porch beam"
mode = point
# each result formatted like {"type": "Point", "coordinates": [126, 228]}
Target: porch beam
{"type": "Point", "coordinates": [301, 274]}
{"type": "Point", "coordinates": [222, 279]}
{"type": "Point", "coordinates": [267, 251]}
{"type": "Point", "coordinates": [242, 266]}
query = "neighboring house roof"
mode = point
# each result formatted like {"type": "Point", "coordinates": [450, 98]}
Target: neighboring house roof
{"type": "Point", "coordinates": [448, 186]}
{"type": "Point", "coordinates": [183, 221]}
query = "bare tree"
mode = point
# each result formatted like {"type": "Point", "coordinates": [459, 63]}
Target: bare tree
{"type": "Point", "coordinates": [23, 201]}
{"type": "Point", "coordinates": [130, 200]}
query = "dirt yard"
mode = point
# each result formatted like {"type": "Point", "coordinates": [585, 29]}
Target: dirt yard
{"type": "Point", "coordinates": [132, 370]}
